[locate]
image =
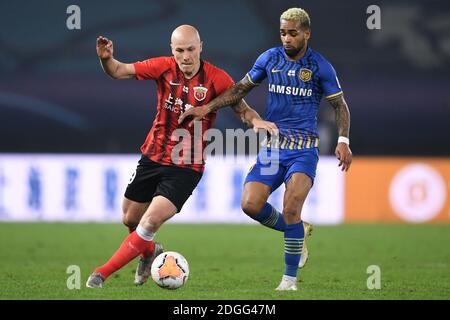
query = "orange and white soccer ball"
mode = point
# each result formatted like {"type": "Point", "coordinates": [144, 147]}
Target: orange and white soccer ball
{"type": "Point", "coordinates": [170, 270]}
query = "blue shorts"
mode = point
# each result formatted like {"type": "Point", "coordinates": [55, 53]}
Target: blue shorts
{"type": "Point", "coordinates": [273, 170]}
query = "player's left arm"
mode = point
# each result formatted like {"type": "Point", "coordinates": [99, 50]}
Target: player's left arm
{"type": "Point", "coordinates": [333, 93]}
{"type": "Point", "coordinates": [343, 152]}
{"type": "Point", "coordinates": [252, 119]}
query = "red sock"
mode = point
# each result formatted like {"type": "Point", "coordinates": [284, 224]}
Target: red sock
{"type": "Point", "coordinates": [149, 249]}
{"type": "Point", "coordinates": [148, 252]}
{"type": "Point", "coordinates": [130, 249]}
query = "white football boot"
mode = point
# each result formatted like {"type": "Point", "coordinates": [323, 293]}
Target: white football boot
{"type": "Point", "coordinates": [304, 257]}
{"type": "Point", "coordinates": [287, 284]}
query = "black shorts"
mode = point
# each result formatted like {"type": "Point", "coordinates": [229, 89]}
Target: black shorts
{"type": "Point", "coordinates": [153, 179]}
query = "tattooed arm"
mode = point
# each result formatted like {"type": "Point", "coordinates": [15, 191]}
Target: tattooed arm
{"type": "Point", "coordinates": [229, 98]}
{"type": "Point", "coordinates": [343, 152]}
{"type": "Point", "coordinates": [252, 119]}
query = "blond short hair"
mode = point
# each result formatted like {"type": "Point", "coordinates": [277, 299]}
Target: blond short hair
{"type": "Point", "coordinates": [297, 14]}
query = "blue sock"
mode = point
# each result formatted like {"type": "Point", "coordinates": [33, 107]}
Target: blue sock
{"type": "Point", "coordinates": [271, 218]}
{"type": "Point", "coordinates": [294, 235]}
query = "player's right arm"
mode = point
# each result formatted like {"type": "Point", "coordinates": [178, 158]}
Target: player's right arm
{"type": "Point", "coordinates": [234, 94]}
{"type": "Point", "coordinates": [229, 98]}
{"type": "Point", "coordinates": [252, 119]}
{"type": "Point", "coordinates": [112, 67]}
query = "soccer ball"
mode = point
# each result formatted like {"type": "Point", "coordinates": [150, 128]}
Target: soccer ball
{"type": "Point", "coordinates": [170, 270]}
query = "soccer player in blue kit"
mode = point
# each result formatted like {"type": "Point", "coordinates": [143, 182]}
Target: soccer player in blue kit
{"type": "Point", "coordinates": [298, 78]}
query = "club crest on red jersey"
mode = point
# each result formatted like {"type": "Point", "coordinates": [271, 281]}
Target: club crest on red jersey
{"type": "Point", "coordinates": [200, 93]}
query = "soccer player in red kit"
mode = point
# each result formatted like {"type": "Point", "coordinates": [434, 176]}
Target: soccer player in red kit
{"type": "Point", "coordinates": [160, 185]}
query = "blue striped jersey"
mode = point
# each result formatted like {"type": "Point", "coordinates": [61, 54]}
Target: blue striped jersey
{"type": "Point", "coordinates": [295, 91]}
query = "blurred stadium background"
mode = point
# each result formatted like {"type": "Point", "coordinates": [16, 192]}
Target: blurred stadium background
{"type": "Point", "coordinates": [70, 136]}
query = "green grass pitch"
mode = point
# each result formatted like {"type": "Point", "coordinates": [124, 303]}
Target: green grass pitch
{"type": "Point", "coordinates": [231, 262]}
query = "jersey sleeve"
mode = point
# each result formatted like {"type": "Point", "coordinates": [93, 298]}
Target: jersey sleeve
{"type": "Point", "coordinates": [151, 69]}
{"type": "Point", "coordinates": [330, 83]}
{"type": "Point", "coordinates": [222, 82]}
{"type": "Point", "coordinates": [258, 73]}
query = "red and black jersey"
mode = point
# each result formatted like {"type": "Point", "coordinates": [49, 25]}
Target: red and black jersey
{"type": "Point", "coordinates": [164, 143]}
